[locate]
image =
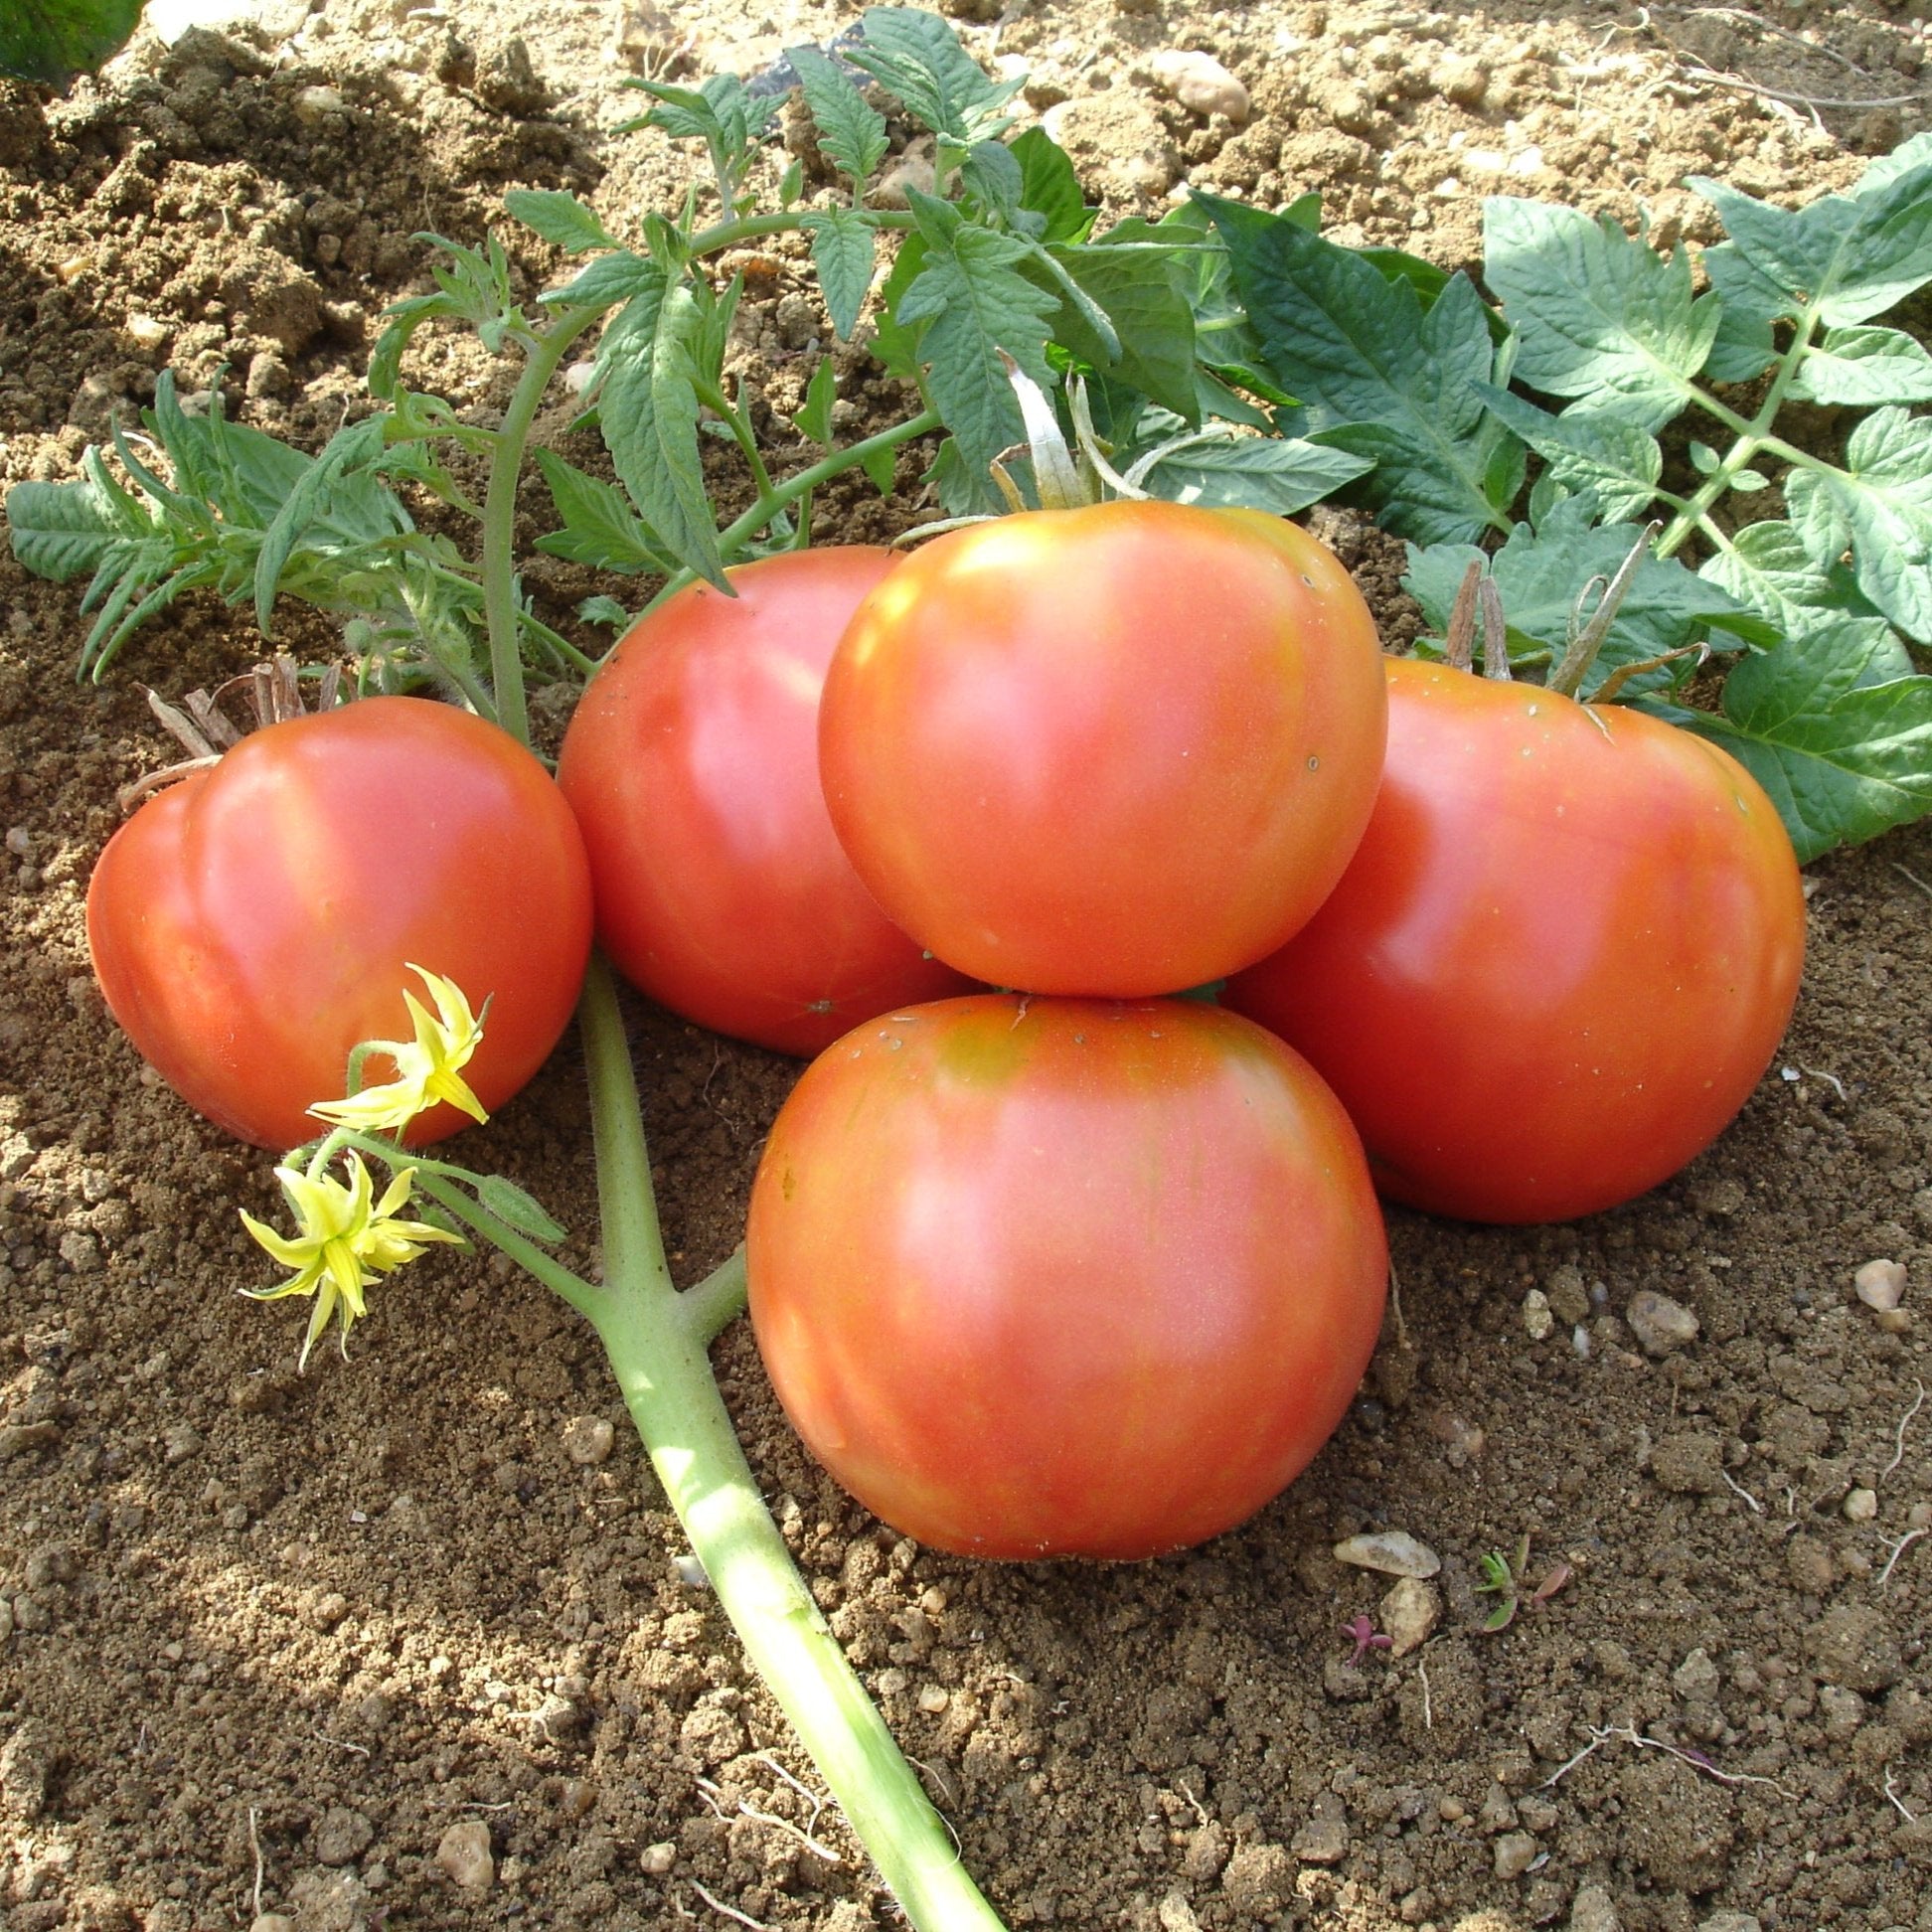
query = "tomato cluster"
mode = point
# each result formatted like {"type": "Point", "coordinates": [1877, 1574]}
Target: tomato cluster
{"type": "Point", "coordinates": [1081, 1267]}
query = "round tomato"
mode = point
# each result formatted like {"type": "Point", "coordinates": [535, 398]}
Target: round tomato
{"type": "Point", "coordinates": [692, 764]}
{"type": "Point", "coordinates": [1121, 749]}
{"type": "Point", "coordinates": [253, 922]}
{"type": "Point", "coordinates": [1064, 1277]}
{"type": "Point", "coordinates": [1563, 956]}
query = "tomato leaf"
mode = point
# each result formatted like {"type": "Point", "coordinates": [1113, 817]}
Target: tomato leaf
{"type": "Point", "coordinates": [1050, 187]}
{"type": "Point", "coordinates": [975, 303]}
{"type": "Point", "coordinates": [918, 58]}
{"type": "Point", "coordinates": [331, 504]}
{"type": "Point", "coordinates": [1144, 307]}
{"type": "Point", "coordinates": [1279, 474]}
{"type": "Point", "coordinates": [1828, 725]}
{"type": "Point", "coordinates": [647, 408]}
{"type": "Point", "coordinates": [1845, 258]}
{"type": "Point", "coordinates": [600, 527]}
{"type": "Point", "coordinates": [1540, 573]}
{"type": "Point", "coordinates": [52, 40]}
{"type": "Point", "coordinates": [559, 218]}
{"type": "Point", "coordinates": [1600, 314]}
{"type": "Point", "coordinates": [1864, 368]}
{"type": "Point", "coordinates": [851, 131]}
{"type": "Point", "coordinates": [61, 529]}
{"type": "Point", "coordinates": [1769, 568]}
{"type": "Point", "coordinates": [1377, 375]}
{"type": "Point", "coordinates": [843, 256]}
{"type": "Point", "coordinates": [814, 419]}
{"type": "Point", "coordinates": [1879, 506]}
{"type": "Point", "coordinates": [1616, 463]}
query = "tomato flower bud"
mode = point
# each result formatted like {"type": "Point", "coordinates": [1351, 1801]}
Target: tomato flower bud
{"type": "Point", "coordinates": [348, 1240]}
{"type": "Point", "coordinates": [426, 1068]}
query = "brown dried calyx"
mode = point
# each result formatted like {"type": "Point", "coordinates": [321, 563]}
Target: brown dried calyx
{"type": "Point", "coordinates": [199, 724]}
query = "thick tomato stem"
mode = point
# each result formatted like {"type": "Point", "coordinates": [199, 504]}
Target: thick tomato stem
{"type": "Point", "coordinates": [657, 1341]}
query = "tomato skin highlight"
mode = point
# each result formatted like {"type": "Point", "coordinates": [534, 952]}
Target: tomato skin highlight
{"type": "Point", "coordinates": [692, 764]}
{"type": "Point", "coordinates": [1114, 750]}
{"type": "Point", "coordinates": [1064, 1277]}
{"type": "Point", "coordinates": [1560, 960]}
{"type": "Point", "coordinates": [253, 922]}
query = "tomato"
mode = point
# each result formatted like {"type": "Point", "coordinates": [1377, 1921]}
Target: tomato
{"type": "Point", "coordinates": [692, 764]}
{"type": "Point", "coordinates": [1064, 1277]}
{"type": "Point", "coordinates": [1121, 749]}
{"type": "Point", "coordinates": [253, 922]}
{"type": "Point", "coordinates": [1564, 953]}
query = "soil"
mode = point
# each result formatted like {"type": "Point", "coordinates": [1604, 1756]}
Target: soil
{"type": "Point", "coordinates": [270, 1637]}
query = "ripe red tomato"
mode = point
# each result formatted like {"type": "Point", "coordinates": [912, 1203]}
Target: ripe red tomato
{"type": "Point", "coordinates": [1121, 749]}
{"type": "Point", "coordinates": [692, 764]}
{"type": "Point", "coordinates": [1563, 956]}
{"type": "Point", "coordinates": [253, 923]}
{"type": "Point", "coordinates": [1064, 1277]}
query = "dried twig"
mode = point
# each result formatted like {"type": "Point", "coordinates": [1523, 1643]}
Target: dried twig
{"type": "Point", "coordinates": [255, 1845]}
{"type": "Point", "coordinates": [1907, 872]}
{"type": "Point", "coordinates": [1739, 1489]}
{"type": "Point", "coordinates": [1899, 1450]}
{"type": "Point", "coordinates": [730, 1912]}
{"type": "Point", "coordinates": [1896, 1802]}
{"type": "Point", "coordinates": [1710, 77]}
{"type": "Point", "coordinates": [1697, 1760]}
{"type": "Point", "coordinates": [1897, 1551]}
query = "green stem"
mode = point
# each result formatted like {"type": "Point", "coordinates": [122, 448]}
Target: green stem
{"type": "Point", "coordinates": [714, 1303]}
{"type": "Point", "coordinates": [656, 1340]}
{"type": "Point", "coordinates": [752, 227]}
{"type": "Point", "coordinates": [782, 496]}
{"type": "Point", "coordinates": [1753, 435]}
{"type": "Point", "coordinates": [733, 415]}
{"type": "Point", "coordinates": [581, 1295]}
{"type": "Point", "coordinates": [500, 513]}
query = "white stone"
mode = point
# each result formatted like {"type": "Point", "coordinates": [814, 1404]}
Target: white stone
{"type": "Point", "coordinates": [464, 1851]}
{"type": "Point", "coordinates": [1201, 85]}
{"type": "Point", "coordinates": [1393, 1551]}
{"type": "Point", "coordinates": [1880, 1284]}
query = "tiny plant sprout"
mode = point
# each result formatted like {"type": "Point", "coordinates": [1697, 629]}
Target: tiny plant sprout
{"type": "Point", "coordinates": [348, 1240]}
{"type": "Point", "coordinates": [428, 1069]}
{"type": "Point", "coordinates": [1361, 1632]}
{"type": "Point", "coordinates": [1506, 1581]}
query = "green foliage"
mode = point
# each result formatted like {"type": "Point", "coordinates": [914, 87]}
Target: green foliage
{"type": "Point", "coordinates": [1224, 356]}
{"type": "Point", "coordinates": [54, 40]}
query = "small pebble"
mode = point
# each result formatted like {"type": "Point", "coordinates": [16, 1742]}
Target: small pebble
{"type": "Point", "coordinates": [1514, 1853]}
{"type": "Point", "coordinates": [1201, 85]}
{"type": "Point", "coordinates": [464, 1851]}
{"type": "Point", "coordinates": [658, 1858]}
{"type": "Point", "coordinates": [588, 1439]}
{"type": "Point", "coordinates": [1661, 1326]}
{"type": "Point", "coordinates": [1880, 1284]}
{"type": "Point", "coordinates": [933, 1698]}
{"type": "Point", "coordinates": [272, 1922]}
{"type": "Point", "coordinates": [1537, 1321]}
{"type": "Point", "coordinates": [1919, 1517]}
{"type": "Point", "coordinates": [1862, 1505]}
{"type": "Point", "coordinates": [690, 1572]}
{"type": "Point", "coordinates": [1393, 1551]}
{"type": "Point", "coordinates": [1409, 1615]}
{"type": "Point", "coordinates": [314, 104]}
{"type": "Point", "coordinates": [1893, 1321]}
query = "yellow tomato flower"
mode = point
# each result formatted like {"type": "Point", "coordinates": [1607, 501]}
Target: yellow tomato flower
{"type": "Point", "coordinates": [348, 1240]}
{"type": "Point", "coordinates": [428, 1067]}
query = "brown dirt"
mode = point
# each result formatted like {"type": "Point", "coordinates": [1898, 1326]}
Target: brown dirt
{"type": "Point", "coordinates": [270, 1635]}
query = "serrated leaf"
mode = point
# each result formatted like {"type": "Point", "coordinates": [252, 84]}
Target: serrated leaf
{"type": "Point", "coordinates": [1845, 258]}
{"type": "Point", "coordinates": [1767, 568]}
{"type": "Point", "coordinates": [559, 218]}
{"type": "Point", "coordinates": [1745, 345]}
{"type": "Point", "coordinates": [1864, 368]}
{"type": "Point", "coordinates": [1541, 574]}
{"type": "Point", "coordinates": [600, 527]}
{"type": "Point", "coordinates": [842, 253]}
{"type": "Point", "coordinates": [1840, 742]}
{"type": "Point", "coordinates": [649, 418]}
{"type": "Point", "coordinates": [814, 419]}
{"type": "Point", "coordinates": [1704, 459]}
{"type": "Point", "coordinates": [1376, 374]}
{"type": "Point", "coordinates": [52, 40]}
{"type": "Point", "coordinates": [882, 469]}
{"type": "Point", "coordinates": [518, 1209]}
{"type": "Point", "coordinates": [63, 531]}
{"type": "Point", "coordinates": [992, 177]}
{"type": "Point", "coordinates": [851, 131]}
{"type": "Point", "coordinates": [1880, 507]}
{"type": "Point", "coordinates": [1599, 313]}
{"type": "Point", "coordinates": [605, 610]}
{"type": "Point", "coordinates": [610, 279]}
{"type": "Point", "coordinates": [1050, 187]}
{"type": "Point", "coordinates": [1615, 462]}
{"type": "Point", "coordinates": [1145, 300]}
{"type": "Point", "coordinates": [918, 58]}
{"type": "Point", "coordinates": [1279, 474]}
{"type": "Point", "coordinates": [307, 504]}
{"type": "Point", "coordinates": [975, 303]}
